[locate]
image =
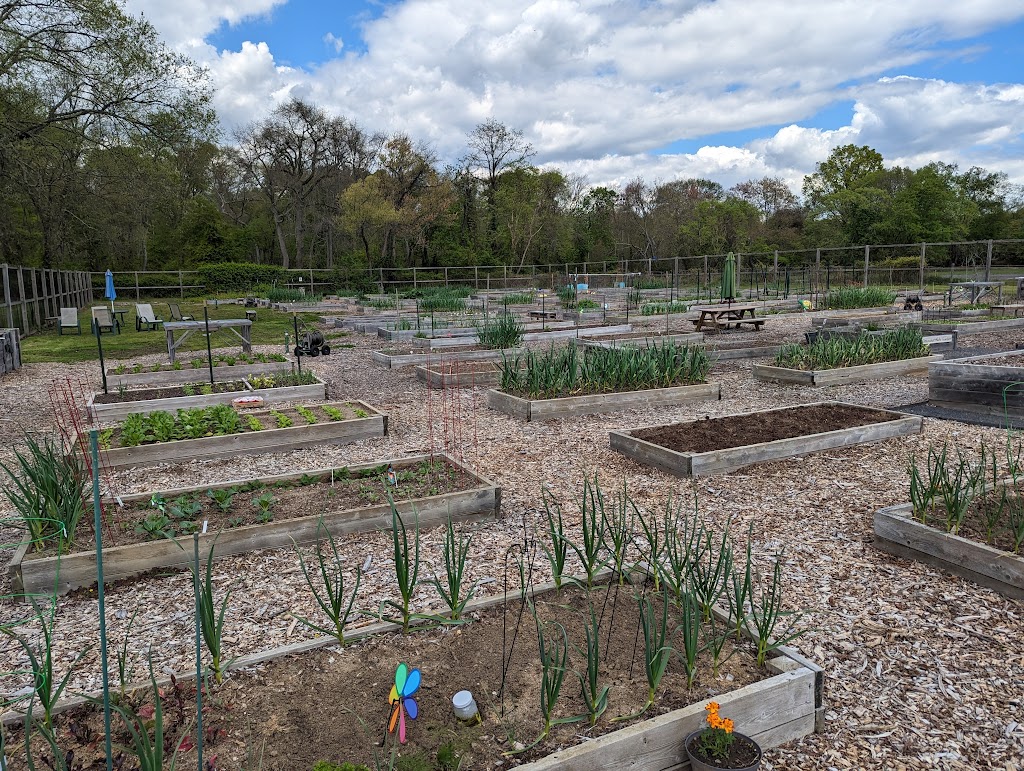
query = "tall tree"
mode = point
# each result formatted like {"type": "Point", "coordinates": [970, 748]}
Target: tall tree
{"type": "Point", "coordinates": [494, 148]}
{"type": "Point", "coordinates": [768, 195]}
{"type": "Point", "coordinates": [290, 156]}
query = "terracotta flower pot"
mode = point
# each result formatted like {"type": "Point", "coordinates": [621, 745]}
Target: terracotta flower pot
{"type": "Point", "coordinates": [699, 763]}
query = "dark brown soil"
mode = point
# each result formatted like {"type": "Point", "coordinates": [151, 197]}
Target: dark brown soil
{"type": "Point", "coordinates": [333, 704]}
{"type": "Point", "coordinates": [976, 526]}
{"type": "Point", "coordinates": [742, 754]}
{"type": "Point", "coordinates": [291, 500]}
{"type": "Point", "coordinates": [739, 430]}
{"type": "Point", "coordinates": [168, 392]}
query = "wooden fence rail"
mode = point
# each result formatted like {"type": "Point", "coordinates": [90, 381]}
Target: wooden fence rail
{"type": "Point", "coordinates": [32, 296]}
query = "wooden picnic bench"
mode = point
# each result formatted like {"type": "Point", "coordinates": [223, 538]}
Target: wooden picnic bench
{"type": "Point", "coordinates": [727, 316]}
{"type": "Point", "coordinates": [543, 314]}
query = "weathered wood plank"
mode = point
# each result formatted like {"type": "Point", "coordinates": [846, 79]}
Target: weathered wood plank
{"type": "Point", "coordinates": [40, 574]}
{"type": "Point", "coordinates": [119, 410]}
{"type": "Point", "coordinates": [897, 532]}
{"type": "Point", "coordinates": [252, 442]}
{"type": "Point", "coordinates": [686, 464]}
{"type": "Point", "coordinates": [550, 409]}
{"type": "Point", "coordinates": [826, 377]}
{"type": "Point", "coordinates": [221, 374]}
{"type": "Point", "coordinates": [761, 709]}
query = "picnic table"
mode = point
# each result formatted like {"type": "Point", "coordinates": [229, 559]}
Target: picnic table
{"type": "Point", "coordinates": [727, 315]}
{"type": "Point", "coordinates": [186, 328]}
{"type": "Point", "coordinates": [974, 290]}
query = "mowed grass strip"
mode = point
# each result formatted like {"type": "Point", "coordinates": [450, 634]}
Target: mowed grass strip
{"type": "Point", "coordinates": [49, 346]}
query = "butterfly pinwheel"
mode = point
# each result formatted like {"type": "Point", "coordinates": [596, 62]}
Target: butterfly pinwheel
{"type": "Point", "coordinates": [407, 682]}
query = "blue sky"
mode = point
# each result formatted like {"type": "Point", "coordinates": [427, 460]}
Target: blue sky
{"type": "Point", "coordinates": [654, 88]}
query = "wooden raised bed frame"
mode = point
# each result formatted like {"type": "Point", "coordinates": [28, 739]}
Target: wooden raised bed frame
{"type": "Point", "coordinates": [251, 442]}
{"type": "Point", "coordinates": [396, 361]}
{"type": "Point", "coordinates": [898, 533]}
{"type": "Point", "coordinates": [693, 464]}
{"type": "Point", "coordinates": [972, 327]}
{"type": "Point", "coordinates": [549, 409]}
{"type": "Point", "coordinates": [38, 575]}
{"type": "Point", "coordinates": [970, 384]}
{"type": "Point", "coordinates": [827, 377]}
{"type": "Point", "coordinates": [783, 707]}
{"type": "Point", "coordinates": [118, 410]}
{"type": "Point", "coordinates": [221, 374]}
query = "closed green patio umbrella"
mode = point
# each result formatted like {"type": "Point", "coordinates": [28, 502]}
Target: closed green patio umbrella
{"type": "Point", "coordinates": [729, 278]}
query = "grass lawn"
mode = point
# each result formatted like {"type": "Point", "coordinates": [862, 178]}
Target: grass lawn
{"type": "Point", "coordinates": [269, 328]}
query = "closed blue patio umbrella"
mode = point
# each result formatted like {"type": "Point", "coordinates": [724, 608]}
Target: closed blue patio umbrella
{"type": "Point", "coordinates": [110, 293]}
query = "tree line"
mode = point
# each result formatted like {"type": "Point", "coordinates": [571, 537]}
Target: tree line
{"type": "Point", "coordinates": [110, 157]}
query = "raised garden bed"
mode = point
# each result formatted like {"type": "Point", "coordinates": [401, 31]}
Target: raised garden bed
{"type": "Point", "coordinates": [167, 375]}
{"type": "Point", "coordinates": [899, 533]}
{"type": "Point", "coordinates": [566, 406]}
{"type": "Point", "coordinates": [528, 337]}
{"type": "Point", "coordinates": [988, 384]}
{"type": "Point", "coordinates": [222, 436]}
{"type": "Point", "coordinates": [643, 339]}
{"type": "Point", "coordinates": [396, 358]}
{"type": "Point", "coordinates": [733, 351]}
{"type": "Point", "coordinates": [340, 703]}
{"type": "Point", "coordinates": [459, 374]}
{"type": "Point", "coordinates": [968, 327]}
{"type": "Point", "coordinates": [825, 377]}
{"type": "Point", "coordinates": [349, 499]}
{"type": "Point", "coordinates": [717, 445]}
{"type": "Point", "coordinates": [116, 405]}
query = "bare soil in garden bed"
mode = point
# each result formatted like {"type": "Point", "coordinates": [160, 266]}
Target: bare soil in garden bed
{"type": "Point", "coordinates": [332, 704]}
{"type": "Point", "coordinates": [738, 430]}
{"type": "Point", "coordinates": [304, 497]}
{"type": "Point", "coordinates": [170, 392]}
{"type": "Point", "coordinates": [399, 351]}
{"type": "Point", "coordinates": [999, 361]}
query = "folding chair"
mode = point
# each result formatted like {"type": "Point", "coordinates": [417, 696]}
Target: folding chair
{"type": "Point", "coordinates": [144, 316]}
{"type": "Point", "coordinates": [69, 320]}
{"type": "Point", "coordinates": [104, 320]}
{"type": "Point", "coordinates": [176, 313]}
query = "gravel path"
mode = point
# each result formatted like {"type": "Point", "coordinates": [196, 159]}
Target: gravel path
{"type": "Point", "coordinates": [923, 669]}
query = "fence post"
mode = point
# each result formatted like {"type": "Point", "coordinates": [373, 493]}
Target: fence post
{"type": "Point", "coordinates": [137, 295]}
{"type": "Point", "coordinates": [446, 276]}
{"type": "Point", "coordinates": [867, 263]}
{"type": "Point", "coordinates": [414, 278]}
{"type": "Point", "coordinates": [924, 261]}
{"type": "Point", "coordinates": [25, 320]}
{"type": "Point", "coordinates": [7, 296]}
{"type": "Point", "coordinates": [988, 261]}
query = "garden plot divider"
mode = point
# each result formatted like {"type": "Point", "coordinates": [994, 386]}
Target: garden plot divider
{"type": "Point", "coordinates": [567, 406]}
{"type": "Point", "coordinates": [117, 410]}
{"type": "Point", "coordinates": [858, 373]}
{"type": "Point", "coordinates": [642, 340]}
{"type": "Point", "coordinates": [898, 533]}
{"type": "Point", "coordinates": [973, 385]}
{"type": "Point", "coordinates": [294, 437]}
{"type": "Point", "coordinates": [222, 373]}
{"type": "Point", "coordinates": [32, 575]}
{"type": "Point", "coordinates": [693, 464]}
{"type": "Point", "coordinates": [529, 337]}
{"type": "Point", "coordinates": [973, 327]}
{"type": "Point", "coordinates": [480, 375]}
{"type": "Point", "coordinates": [784, 707]}
{"type": "Point", "coordinates": [398, 360]}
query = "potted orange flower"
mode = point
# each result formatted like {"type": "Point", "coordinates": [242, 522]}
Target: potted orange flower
{"type": "Point", "coordinates": [718, 746]}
